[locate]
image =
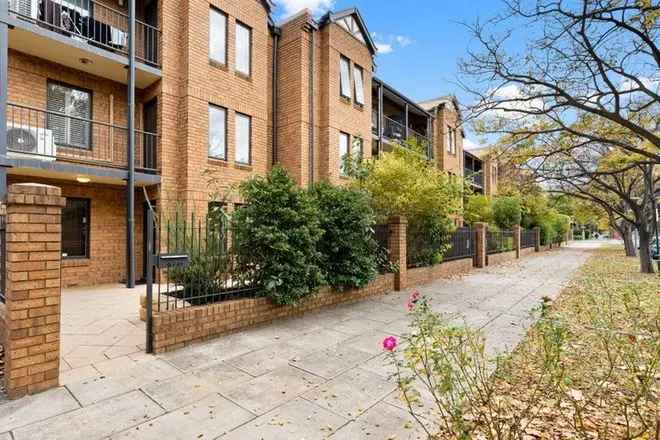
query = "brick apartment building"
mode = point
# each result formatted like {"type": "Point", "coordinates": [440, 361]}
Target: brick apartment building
{"type": "Point", "coordinates": [217, 92]}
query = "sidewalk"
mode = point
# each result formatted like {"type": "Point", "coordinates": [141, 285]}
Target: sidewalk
{"type": "Point", "coordinates": [320, 376]}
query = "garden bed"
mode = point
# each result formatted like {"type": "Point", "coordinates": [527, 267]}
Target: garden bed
{"type": "Point", "coordinates": [611, 353]}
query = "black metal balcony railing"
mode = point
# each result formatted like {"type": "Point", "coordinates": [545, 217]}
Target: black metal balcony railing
{"type": "Point", "coordinates": [93, 22]}
{"type": "Point", "coordinates": [393, 129]}
{"type": "Point", "coordinates": [49, 135]}
{"type": "Point", "coordinates": [420, 138]}
{"type": "Point", "coordinates": [477, 177]}
{"type": "Point", "coordinates": [374, 122]}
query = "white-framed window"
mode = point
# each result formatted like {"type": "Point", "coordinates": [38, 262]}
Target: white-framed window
{"type": "Point", "coordinates": [217, 132]}
{"type": "Point", "coordinates": [73, 128]}
{"type": "Point", "coordinates": [344, 142]}
{"type": "Point", "coordinates": [345, 77]}
{"type": "Point", "coordinates": [451, 140]}
{"type": "Point", "coordinates": [358, 77]}
{"type": "Point", "coordinates": [243, 138]}
{"type": "Point", "coordinates": [217, 36]}
{"type": "Point", "coordinates": [243, 49]}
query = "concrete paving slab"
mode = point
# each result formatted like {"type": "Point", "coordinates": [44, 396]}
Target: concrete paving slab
{"type": "Point", "coordinates": [94, 422]}
{"type": "Point", "coordinates": [206, 419]}
{"type": "Point", "coordinates": [79, 374]}
{"type": "Point", "coordinates": [266, 392]}
{"type": "Point", "coordinates": [222, 376]}
{"type": "Point", "coordinates": [332, 362]}
{"type": "Point", "coordinates": [351, 393]}
{"type": "Point", "coordinates": [356, 326]}
{"type": "Point", "coordinates": [318, 340]}
{"type": "Point", "coordinates": [266, 359]}
{"type": "Point", "coordinates": [179, 391]}
{"type": "Point", "coordinates": [295, 420]}
{"type": "Point", "coordinates": [382, 421]}
{"type": "Point", "coordinates": [34, 408]}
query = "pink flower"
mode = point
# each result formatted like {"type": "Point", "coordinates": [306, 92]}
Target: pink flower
{"type": "Point", "coordinates": [410, 305]}
{"type": "Point", "coordinates": [389, 343]}
{"type": "Point", "coordinates": [412, 300]}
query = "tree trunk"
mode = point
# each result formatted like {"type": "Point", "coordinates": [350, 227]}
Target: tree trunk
{"type": "Point", "coordinates": [645, 261]}
{"type": "Point", "coordinates": [628, 241]}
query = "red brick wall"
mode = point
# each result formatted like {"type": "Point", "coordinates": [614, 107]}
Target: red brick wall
{"type": "Point", "coordinates": [424, 275]}
{"type": "Point", "coordinates": [176, 328]}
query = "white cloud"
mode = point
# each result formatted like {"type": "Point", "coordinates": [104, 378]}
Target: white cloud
{"type": "Point", "coordinates": [388, 43]}
{"type": "Point", "coordinates": [294, 6]}
{"type": "Point", "coordinates": [384, 48]}
{"type": "Point", "coordinates": [403, 40]}
{"type": "Point", "coordinates": [469, 145]}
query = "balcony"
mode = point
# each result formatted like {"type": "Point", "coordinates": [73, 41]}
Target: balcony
{"type": "Point", "coordinates": [48, 136]}
{"type": "Point", "coordinates": [476, 178]}
{"type": "Point", "coordinates": [86, 35]}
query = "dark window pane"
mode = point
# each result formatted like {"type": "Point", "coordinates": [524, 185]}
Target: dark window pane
{"type": "Point", "coordinates": [75, 228]}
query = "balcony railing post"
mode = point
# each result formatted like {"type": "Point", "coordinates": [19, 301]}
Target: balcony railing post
{"type": "Point", "coordinates": [130, 187]}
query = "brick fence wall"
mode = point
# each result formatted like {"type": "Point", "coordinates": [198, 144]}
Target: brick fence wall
{"type": "Point", "coordinates": [174, 329]}
{"type": "Point", "coordinates": [30, 316]}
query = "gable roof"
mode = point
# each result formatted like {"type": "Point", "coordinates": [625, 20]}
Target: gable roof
{"type": "Point", "coordinates": [334, 17]}
{"type": "Point", "coordinates": [431, 104]}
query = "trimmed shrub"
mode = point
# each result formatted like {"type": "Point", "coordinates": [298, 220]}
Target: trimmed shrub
{"type": "Point", "coordinates": [507, 212]}
{"type": "Point", "coordinates": [276, 234]}
{"type": "Point", "coordinates": [347, 245]}
{"type": "Point", "coordinates": [478, 208]}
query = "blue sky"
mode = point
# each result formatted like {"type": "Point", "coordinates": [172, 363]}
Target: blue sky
{"type": "Point", "coordinates": [425, 37]}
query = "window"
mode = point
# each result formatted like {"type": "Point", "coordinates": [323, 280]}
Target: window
{"type": "Point", "coordinates": [345, 77]}
{"type": "Point", "coordinates": [243, 138]}
{"type": "Point", "coordinates": [217, 36]}
{"type": "Point", "coordinates": [75, 228]}
{"type": "Point", "coordinates": [243, 49]}
{"type": "Point", "coordinates": [451, 140]}
{"type": "Point", "coordinates": [358, 75]}
{"type": "Point", "coordinates": [74, 129]}
{"type": "Point", "coordinates": [344, 140]}
{"type": "Point", "coordinates": [358, 145]}
{"type": "Point", "coordinates": [217, 132]}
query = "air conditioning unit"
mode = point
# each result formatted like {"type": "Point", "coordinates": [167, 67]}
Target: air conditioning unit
{"type": "Point", "coordinates": [30, 142]}
{"type": "Point", "coordinates": [25, 8]}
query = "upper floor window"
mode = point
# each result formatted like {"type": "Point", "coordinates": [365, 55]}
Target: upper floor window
{"type": "Point", "coordinates": [243, 138]}
{"type": "Point", "coordinates": [218, 36]}
{"type": "Point", "coordinates": [73, 128]}
{"type": "Point", "coordinates": [358, 75]}
{"type": "Point", "coordinates": [243, 49]}
{"type": "Point", "coordinates": [345, 77]}
{"type": "Point", "coordinates": [358, 145]}
{"type": "Point", "coordinates": [344, 140]}
{"type": "Point", "coordinates": [217, 132]}
{"type": "Point", "coordinates": [451, 140]}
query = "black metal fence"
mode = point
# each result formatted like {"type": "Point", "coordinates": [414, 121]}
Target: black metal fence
{"type": "Point", "coordinates": [461, 245]}
{"type": "Point", "coordinates": [197, 264]}
{"type": "Point", "coordinates": [3, 257]}
{"type": "Point", "coordinates": [527, 238]}
{"type": "Point", "coordinates": [499, 241]}
{"type": "Point", "coordinates": [381, 235]}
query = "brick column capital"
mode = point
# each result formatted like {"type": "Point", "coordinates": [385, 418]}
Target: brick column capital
{"type": "Point", "coordinates": [35, 194]}
{"type": "Point", "coordinates": [517, 242]}
{"type": "Point", "coordinates": [398, 220]}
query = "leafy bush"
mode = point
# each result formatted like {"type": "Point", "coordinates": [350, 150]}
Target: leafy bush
{"type": "Point", "coordinates": [347, 246]}
{"type": "Point", "coordinates": [478, 208]}
{"type": "Point", "coordinates": [277, 234]}
{"type": "Point", "coordinates": [403, 182]}
{"type": "Point", "coordinates": [507, 212]}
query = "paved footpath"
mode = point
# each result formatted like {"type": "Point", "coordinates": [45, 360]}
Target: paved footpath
{"type": "Point", "coordinates": [320, 376]}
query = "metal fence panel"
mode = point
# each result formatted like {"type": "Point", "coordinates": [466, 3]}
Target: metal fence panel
{"type": "Point", "coordinates": [527, 238]}
{"type": "Point", "coordinates": [499, 241]}
{"type": "Point", "coordinates": [461, 245]}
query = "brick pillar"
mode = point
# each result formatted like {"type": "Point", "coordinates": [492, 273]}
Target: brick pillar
{"type": "Point", "coordinates": [480, 244]}
{"type": "Point", "coordinates": [516, 239]}
{"type": "Point", "coordinates": [32, 308]}
{"type": "Point", "coordinates": [537, 239]}
{"type": "Point", "coordinates": [398, 247]}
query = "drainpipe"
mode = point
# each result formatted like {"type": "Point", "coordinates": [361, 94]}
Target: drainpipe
{"type": "Point", "coordinates": [276, 44]}
{"type": "Point", "coordinates": [4, 61]}
{"type": "Point", "coordinates": [312, 53]}
{"type": "Point", "coordinates": [130, 186]}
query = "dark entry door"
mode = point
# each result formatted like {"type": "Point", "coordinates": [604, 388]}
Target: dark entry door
{"type": "Point", "coordinates": [150, 121]}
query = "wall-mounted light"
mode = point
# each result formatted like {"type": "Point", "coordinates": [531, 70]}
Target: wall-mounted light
{"type": "Point", "coordinates": [83, 179]}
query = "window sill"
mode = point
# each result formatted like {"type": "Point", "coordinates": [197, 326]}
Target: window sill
{"type": "Point", "coordinates": [76, 261]}
{"type": "Point", "coordinates": [345, 100]}
{"type": "Point", "coordinates": [359, 106]}
{"type": "Point", "coordinates": [217, 161]}
{"type": "Point", "coordinates": [243, 76]}
{"type": "Point", "coordinates": [243, 166]}
{"type": "Point", "coordinates": [218, 65]}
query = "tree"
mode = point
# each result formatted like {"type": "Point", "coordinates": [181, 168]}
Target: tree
{"type": "Point", "coordinates": [507, 212]}
{"type": "Point", "coordinates": [596, 59]}
{"type": "Point", "coordinates": [478, 208]}
{"type": "Point", "coordinates": [404, 182]}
